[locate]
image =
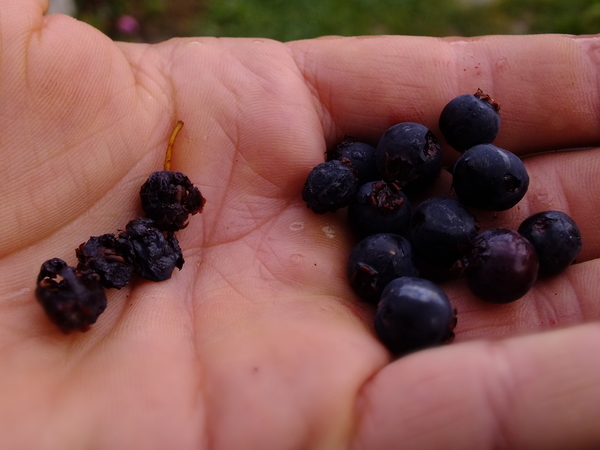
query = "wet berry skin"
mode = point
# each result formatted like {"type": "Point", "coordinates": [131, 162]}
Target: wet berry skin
{"type": "Point", "coordinates": [470, 120]}
{"type": "Point", "coordinates": [442, 230]}
{"type": "Point", "coordinates": [556, 239]}
{"type": "Point", "coordinates": [156, 252]}
{"type": "Point", "coordinates": [361, 157]}
{"type": "Point", "coordinates": [169, 198]}
{"type": "Point", "coordinates": [375, 261]}
{"type": "Point", "coordinates": [490, 178]}
{"type": "Point", "coordinates": [329, 186]}
{"type": "Point", "coordinates": [71, 299]}
{"type": "Point", "coordinates": [501, 267]}
{"type": "Point", "coordinates": [110, 256]}
{"type": "Point", "coordinates": [409, 155]}
{"type": "Point", "coordinates": [379, 207]}
{"type": "Point", "coordinates": [414, 314]}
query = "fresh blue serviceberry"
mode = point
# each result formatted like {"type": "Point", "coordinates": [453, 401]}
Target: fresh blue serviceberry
{"type": "Point", "coordinates": [470, 120]}
{"type": "Point", "coordinates": [375, 261]}
{"type": "Point", "coordinates": [156, 252]}
{"type": "Point", "coordinates": [110, 256]}
{"type": "Point", "coordinates": [361, 157]}
{"type": "Point", "coordinates": [414, 314]}
{"type": "Point", "coordinates": [169, 198]}
{"type": "Point", "coordinates": [379, 207]}
{"type": "Point", "coordinates": [441, 232]}
{"type": "Point", "coordinates": [73, 300]}
{"type": "Point", "coordinates": [409, 155]}
{"type": "Point", "coordinates": [501, 267]}
{"type": "Point", "coordinates": [329, 186]}
{"type": "Point", "coordinates": [490, 178]}
{"type": "Point", "coordinates": [556, 239]}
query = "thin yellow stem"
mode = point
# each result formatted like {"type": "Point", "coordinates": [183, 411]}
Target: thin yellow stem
{"type": "Point", "coordinates": [176, 131]}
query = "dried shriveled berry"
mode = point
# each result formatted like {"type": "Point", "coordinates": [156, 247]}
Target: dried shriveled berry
{"type": "Point", "coordinates": [110, 256]}
{"type": "Point", "coordinates": [73, 300]}
{"type": "Point", "coordinates": [169, 198]}
{"type": "Point", "coordinates": [156, 252]}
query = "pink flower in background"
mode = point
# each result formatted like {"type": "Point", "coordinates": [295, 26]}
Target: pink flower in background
{"type": "Point", "coordinates": [128, 25]}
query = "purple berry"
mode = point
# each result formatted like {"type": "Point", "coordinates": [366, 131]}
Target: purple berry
{"type": "Point", "coordinates": [375, 261]}
{"type": "Point", "coordinates": [361, 157]}
{"type": "Point", "coordinates": [329, 186]}
{"type": "Point", "coordinates": [556, 239]}
{"type": "Point", "coordinates": [501, 267]}
{"type": "Point", "coordinates": [470, 120]}
{"type": "Point", "coordinates": [490, 178]}
{"type": "Point", "coordinates": [414, 314]}
{"type": "Point", "coordinates": [409, 155]}
{"type": "Point", "coordinates": [379, 207]}
{"type": "Point", "coordinates": [442, 231]}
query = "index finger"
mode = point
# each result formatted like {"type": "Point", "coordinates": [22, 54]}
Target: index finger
{"type": "Point", "coordinates": [546, 85]}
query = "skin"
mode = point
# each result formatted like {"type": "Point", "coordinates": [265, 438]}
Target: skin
{"type": "Point", "coordinates": [258, 342]}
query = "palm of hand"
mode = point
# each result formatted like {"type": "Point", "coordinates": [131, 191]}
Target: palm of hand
{"type": "Point", "coordinates": [258, 342]}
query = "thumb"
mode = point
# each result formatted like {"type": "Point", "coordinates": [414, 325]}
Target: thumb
{"type": "Point", "coordinates": [532, 392]}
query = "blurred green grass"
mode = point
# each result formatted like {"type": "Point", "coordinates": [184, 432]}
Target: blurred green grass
{"type": "Point", "coordinates": [286, 20]}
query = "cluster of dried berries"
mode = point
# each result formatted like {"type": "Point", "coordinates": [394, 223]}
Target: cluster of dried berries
{"type": "Point", "coordinates": [74, 297]}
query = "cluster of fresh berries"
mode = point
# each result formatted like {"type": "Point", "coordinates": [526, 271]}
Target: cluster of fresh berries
{"type": "Point", "coordinates": [74, 297]}
{"type": "Point", "coordinates": [404, 251]}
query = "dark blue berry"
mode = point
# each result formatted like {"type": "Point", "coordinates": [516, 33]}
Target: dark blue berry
{"type": "Point", "coordinates": [414, 314]}
{"type": "Point", "coordinates": [409, 155]}
{"type": "Point", "coordinates": [156, 252]}
{"type": "Point", "coordinates": [470, 120]}
{"type": "Point", "coordinates": [361, 157]}
{"type": "Point", "coordinates": [375, 261]}
{"type": "Point", "coordinates": [329, 186]}
{"type": "Point", "coordinates": [442, 230]}
{"type": "Point", "coordinates": [169, 198]}
{"type": "Point", "coordinates": [490, 178]}
{"type": "Point", "coordinates": [110, 256]}
{"type": "Point", "coordinates": [501, 267]}
{"type": "Point", "coordinates": [379, 207]}
{"type": "Point", "coordinates": [73, 300]}
{"type": "Point", "coordinates": [556, 239]}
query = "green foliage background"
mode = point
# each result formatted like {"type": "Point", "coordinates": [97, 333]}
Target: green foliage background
{"type": "Point", "coordinates": [299, 19]}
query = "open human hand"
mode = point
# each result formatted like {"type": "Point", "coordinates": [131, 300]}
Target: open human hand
{"type": "Point", "coordinates": [259, 343]}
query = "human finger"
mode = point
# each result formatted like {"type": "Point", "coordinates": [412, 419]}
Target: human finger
{"type": "Point", "coordinates": [558, 302]}
{"type": "Point", "coordinates": [532, 392]}
{"type": "Point", "coordinates": [546, 84]}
